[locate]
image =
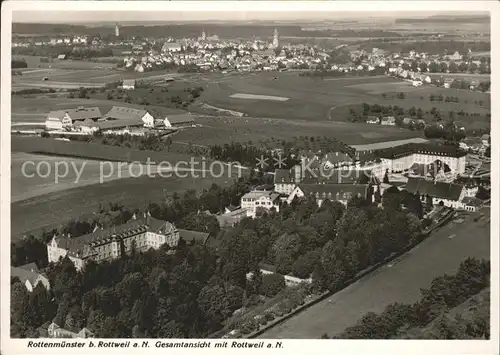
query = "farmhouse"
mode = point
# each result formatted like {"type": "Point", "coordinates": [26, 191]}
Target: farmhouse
{"type": "Point", "coordinates": [373, 120]}
{"type": "Point", "coordinates": [30, 276]}
{"type": "Point", "coordinates": [332, 192]}
{"type": "Point", "coordinates": [128, 84]}
{"type": "Point", "coordinates": [441, 193]}
{"type": "Point", "coordinates": [255, 200]}
{"type": "Point", "coordinates": [131, 115]}
{"type": "Point", "coordinates": [388, 121]}
{"type": "Point", "coordinates": [87, 126]}
{"type": "Point", "coordinates": [61, 56]}
{"type": "Point", "coordinates": [132, 127]}
{"type": "Point", "coordinates": [57, 120]}
{"type": "Point", "coordinates": [401, 158]}
{"type": "Point", "coordinates": [108, 244]}
{"type": "Point", "coordinates": [178, 120]}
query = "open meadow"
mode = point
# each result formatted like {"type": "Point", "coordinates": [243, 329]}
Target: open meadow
{"type": "Point", "coordinates": [399, 281]}
{"type": "Point", "coordinates": [268, 132]}
{"type": "Point", "coordinates": [316, 99]}
{"type": "Point", "coordinates": [313, 98]}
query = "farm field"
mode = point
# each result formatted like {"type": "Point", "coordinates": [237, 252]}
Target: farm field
{"type": "Point", "coordinates": [34, 175]}
{"type": "Point", "coordinates": [53, 209]}
{"type": "Point", "coordinates": [270, 132]}
{"type": "Point", "coordinates": [314, 99]}
{"type": "Point", "coordinates": [94, 151]}
{"type": "Point", "coordinates": [398, 281]}
{"type": "Point", "coordinates": [34, 63]}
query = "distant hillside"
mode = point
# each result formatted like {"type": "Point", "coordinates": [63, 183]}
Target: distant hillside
{"type": "Point", "coordinates": [223, 30]}
{"type": "Point", "coordinates": [445, 19]}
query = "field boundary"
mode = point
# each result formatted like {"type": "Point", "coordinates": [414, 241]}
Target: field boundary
{"type": "Point", "coordinates": [361, 274]}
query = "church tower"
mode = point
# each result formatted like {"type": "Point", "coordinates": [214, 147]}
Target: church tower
{"type": "Point", "coordinates": [117, 31]}
{"type": "Point", "coordinates": [276, 39]}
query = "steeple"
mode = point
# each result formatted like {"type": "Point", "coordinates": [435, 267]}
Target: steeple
{"type": "Point", "coordinates": [275, 38]}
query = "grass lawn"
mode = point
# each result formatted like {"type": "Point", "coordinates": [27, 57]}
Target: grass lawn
{"type": "Point", "coordinates": [399, 281]}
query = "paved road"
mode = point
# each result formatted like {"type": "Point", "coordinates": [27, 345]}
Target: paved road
{"type": "Point", "coordinates": [399, 281]}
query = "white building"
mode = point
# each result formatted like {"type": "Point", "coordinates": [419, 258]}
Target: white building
{"type": "Point", "coordinates": [128, 84]}
{"type": "Point", "coordinates": [30, 276]}
{"type": "Point", "coordinates": [255, 200]}
{"type": "Point", "coordinates": [109, 244]}
{"type": "Point", "coordinates": [58, 120]}
{"type": "Point", "coordinates": [178, 120]}
{"type": "Point", "coordinates": [401, 158]}
{"type": "Point", "coordinates": [131, 114]}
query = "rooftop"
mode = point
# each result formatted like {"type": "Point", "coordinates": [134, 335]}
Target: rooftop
{"type": "Point", "coordinates": [80, 113]}
{"type": "Point", "coordinates": [436, 189]}
{"type": "Point", "coordinates": [126, 113]}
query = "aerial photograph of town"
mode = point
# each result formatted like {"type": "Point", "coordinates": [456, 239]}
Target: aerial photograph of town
{"type": "Point", "coordinates": [250, 178]}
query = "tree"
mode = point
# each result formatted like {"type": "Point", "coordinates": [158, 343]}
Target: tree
{"type": "Point", "coordinates": [272, 284]}
{"type": "Point", "coordinates": [285, 250]}
{"type": "Point", "coordinates": [453, 68]}
{"type": "Point", "coordinates": [434, 67]}
{"type": "Point", "coordinates": [304, 266]}
{"type": "Point", "coordinates": [386, 177]}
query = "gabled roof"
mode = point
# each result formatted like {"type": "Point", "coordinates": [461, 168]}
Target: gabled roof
{"type": "Point", "coordinates": [116, 124]}
{"type": "Point", "coordinates": [434, 189]}
{"type": "Point", "coordinates": [24, 275]}
{"type": "Point", "coordinates": [193, 236]}
{"type": "Point", "coordinates": [32, 267]}
{"type": "Point", "coordinates": [180, 118]}
{"type": "Point", "coordinates": [125, 113]}
{"type": "Point", "coordinates": [80, 113]}
{"type": "Point", "coordinates": [88, 122]}
{"type": "Point", "coordinates": [129, 82]}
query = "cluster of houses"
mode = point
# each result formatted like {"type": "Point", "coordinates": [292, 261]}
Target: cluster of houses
{"type": "Point", "coordinates": [209, 54]}
{"type": "Point", "coordinates": [118, 120]}
{"type": "Point", "coordinates": [428, 169]}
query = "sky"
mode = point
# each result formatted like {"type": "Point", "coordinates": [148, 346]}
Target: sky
{"type": "Point", "coordinates": [85, 17]}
